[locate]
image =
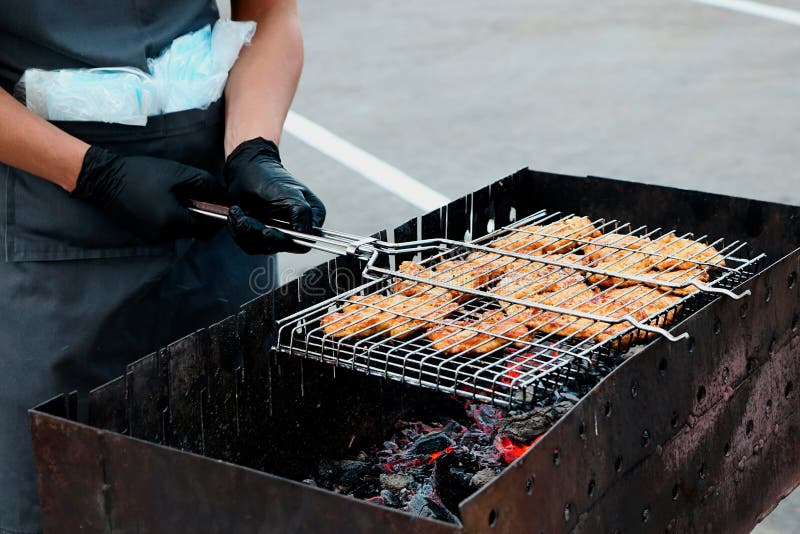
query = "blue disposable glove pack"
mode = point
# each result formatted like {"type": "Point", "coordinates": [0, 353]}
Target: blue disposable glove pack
{"type": "Point", "coordinates": [189, 74]}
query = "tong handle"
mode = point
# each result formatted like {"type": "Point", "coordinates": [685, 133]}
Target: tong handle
{"type": "Point", "coordinates": [327, 240]}
{"type": "Point", "coordinates": [215, 211]}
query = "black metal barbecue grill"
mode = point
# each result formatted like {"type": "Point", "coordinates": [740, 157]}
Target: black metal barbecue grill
{"type": "Point", "coordinates": [696, 430]}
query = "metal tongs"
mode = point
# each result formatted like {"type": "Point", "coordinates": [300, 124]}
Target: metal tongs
{"type": "Point", "coordinates": [370, 249]}
{"type": "Point", "coordinates": [325, 240]}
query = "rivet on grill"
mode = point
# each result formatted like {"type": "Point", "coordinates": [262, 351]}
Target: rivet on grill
{"type": "Point", "coordinates": [717, 328]}
{"type": "Point", "coordinates": [529, 483]}
{"type": "Point", "coordinates": [788, 389]}
{"type": "Point", "coordinates": [582, 431]}
{"type": "Point", "coordinates": [490, 226]}
{"type": "Point", "coordinates": [768, 294]}
{"type": "Point", "coordinates": [727, 449]}
{"type": "Point", "coordinates": [795, 322]}
{"type": "Point", "coordinates": [608, 409]}
{"type": "Point", "coordinates": [618, 464]}
{"type": "Point", "coordinates": [675, 492]}
{"type": "Point", "coordinates": [635, 389]}
{"type": "Point", "coordinates": [792, 279]}
{"type": "Point", "coordinates": [690, 344]}
{"type": "Point", "coordinates": [743, 311]}
{"type": "Point", "coordinates": [492, 517]}
{"type": "Point", "coordinates": [556, 458]}
{"type": "Point", "coordinates": [748, 429]}
{"type": "Point", "coordinates": [645, 515]}
{"type": "Point", "coordinates": [725, 373]}
{"type": "Point", "coordinates": [590, 490]}
{"type": "Point", "coordinates": [645, 438]}
{"type": "Point", "coordinates": [567, 512]}
{"type": "Point", "coordinates": [662, 366]}
{"type": "Point", "coordinates": [701, 393]}
{"type": "Point", "coordinates": [673, 421]}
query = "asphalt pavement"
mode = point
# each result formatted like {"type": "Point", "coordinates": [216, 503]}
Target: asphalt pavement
{"type": "Point", "coordinates": [457, 94]}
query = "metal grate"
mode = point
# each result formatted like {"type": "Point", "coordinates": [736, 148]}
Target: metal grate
{"type": "Point", "coordinates": [586, 291]}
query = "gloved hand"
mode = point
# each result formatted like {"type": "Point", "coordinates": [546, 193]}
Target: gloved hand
{"type": "Point", "coordinates": [258, 182]}
{"type": "Point", "coordinates": [144, 194]}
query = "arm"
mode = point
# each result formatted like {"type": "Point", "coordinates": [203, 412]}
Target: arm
{"type": "Point", "coordinates": [141, 193]}
{"type": "Point", "coordinates": [263, 81]}
{"type": "Point", "coordinates": [32, 144]}
{"type": "Point", "coordinates": [260, 89]}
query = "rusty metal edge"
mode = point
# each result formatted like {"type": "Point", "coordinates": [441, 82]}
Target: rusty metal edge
{"type": "Point", "coordinates": [76, 471]}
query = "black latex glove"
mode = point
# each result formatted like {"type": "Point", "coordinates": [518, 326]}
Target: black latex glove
{"type": "Point", "coordinates": [144, 194]}
{"type": "Point", "coordinates": [258, 182]}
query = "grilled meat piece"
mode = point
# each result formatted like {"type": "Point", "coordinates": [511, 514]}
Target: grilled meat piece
{"type": "Point", "coordinates": [679, 277]}
{"type": "Point", "coordinates": [639, 302]}
{"type": "Point", "coordinates": [616, 253]}
{"type": "Point", "coordinates": [355, 319]}
{"type": "Point", "coordinates": [358, 320]}
{"type": "Point", "coordinates": [422, 311]}
{"type": "Point", "coordinates": [478, 335]}
{"type": "Point", "coordinates": [531, 278]}
{"type": "Point", "coordinates": [684, 253]}
{"type": "Point", "coordinates": [410, 287]}
{"type": "Point", "coordinates": [460, 273]}
{"type": "Point", "coordinates": [560, 236]}
{"type": "Point", "coordinates": [565, 297]}
{"type": "Point", "coordinates": [494, 264]}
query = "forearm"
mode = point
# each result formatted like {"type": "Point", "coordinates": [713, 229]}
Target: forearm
{"type": "Point", "coordinates": [32, 144]}
{"type": "Point", "coordinates": [263, 81]}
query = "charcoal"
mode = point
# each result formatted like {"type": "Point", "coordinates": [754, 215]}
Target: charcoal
{"type": "Point", "coordinates": [570, 397]}
{"type": "Point", "coordinates": [430, 443]}
{"type": "Point", "coordinates": [390, 499]}
{"type": "Point", "coordinates": [525, 427]}
{"type": "Point", "coordinates": [428, 469]}
{"type": "Point", "coordinates": [344, 472]}
{"type": "Point", "coordinates": [482, 477]}
{"type": "Point", "coordinates": [451, 480]}
{"type": "Point", "coordinates": [452, 429]}
{"type": "Point", "coordinates": [485, 416]}
{"type": "Point", "coordinates": [327, 472]}
{"type": "Point", "coordinates": [395, 482]}
{"type": "Point", "coordinates": [423, 504]}
{"type": "Point", "coordinates": [353, 471]}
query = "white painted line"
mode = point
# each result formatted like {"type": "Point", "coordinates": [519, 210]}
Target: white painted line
{"type": "Point", "coordinates": [377, 171]}
{"type": "Point", "coordinates": [755, 8]}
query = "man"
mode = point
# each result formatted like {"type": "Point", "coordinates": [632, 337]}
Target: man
{"type": "Point", "coordinates": [102, 262]}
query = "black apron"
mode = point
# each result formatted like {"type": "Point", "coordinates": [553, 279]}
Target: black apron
{"type": "Point", "coordinates": [79, 295]}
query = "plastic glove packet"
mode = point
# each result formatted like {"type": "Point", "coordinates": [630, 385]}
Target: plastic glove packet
{"type": "Point", "coordinates": [191, 73]}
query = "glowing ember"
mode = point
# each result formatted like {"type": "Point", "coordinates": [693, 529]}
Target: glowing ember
{"type": "Point", "coordinates": [435, 455]}
{"type": "Point", "coordinates": [509, 449]}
